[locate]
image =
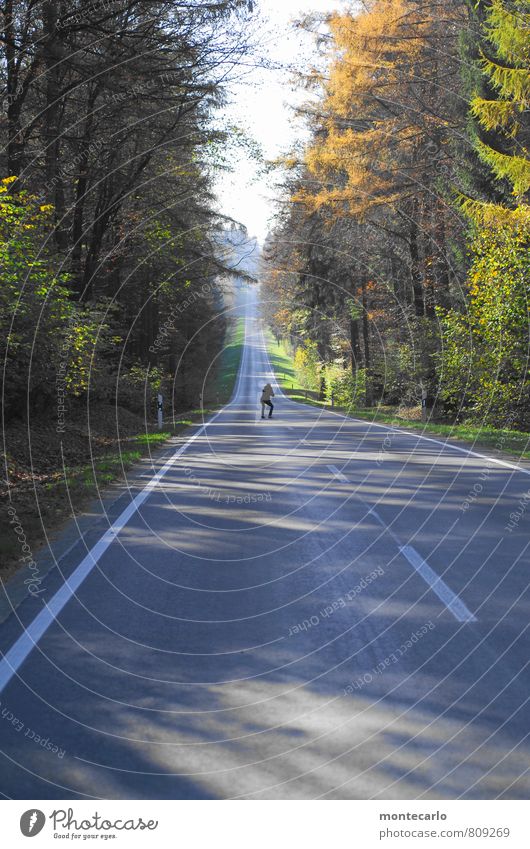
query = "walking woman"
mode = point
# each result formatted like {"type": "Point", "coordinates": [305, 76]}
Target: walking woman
{"type": "Point", "coordinates": [266, 396]}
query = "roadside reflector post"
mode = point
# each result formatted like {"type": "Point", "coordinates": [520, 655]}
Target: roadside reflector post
{"type": "Point", "coordinates": [160, 410]}
{"type": "Point", "coordinates": [423, 404]}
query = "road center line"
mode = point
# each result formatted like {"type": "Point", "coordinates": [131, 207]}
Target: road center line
{"type": "Point", "coordinates": [446, 595]}
{"type": "Point", "coordinates": [334, 471]}
{"type": "Point", "coordinates": [454, 604]}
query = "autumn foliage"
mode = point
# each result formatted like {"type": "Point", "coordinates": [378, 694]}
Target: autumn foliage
{"type": "Point", "coordinates": [403, 254]}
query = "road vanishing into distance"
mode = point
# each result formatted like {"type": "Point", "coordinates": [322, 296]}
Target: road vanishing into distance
{"type": "Point", "coordinates": [303, 608]}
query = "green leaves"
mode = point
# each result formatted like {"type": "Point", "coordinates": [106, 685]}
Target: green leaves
{"type": "Point", "coordinates": [483, 365]}
{"type": "Point", "coordinates": [45, 337]}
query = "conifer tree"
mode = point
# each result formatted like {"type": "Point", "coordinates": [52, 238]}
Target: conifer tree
{"type": "Point", "coordinates": [502, 141]}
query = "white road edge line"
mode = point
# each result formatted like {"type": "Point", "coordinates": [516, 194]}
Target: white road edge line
{"type": "Point", "coordinates": [449, 445]}
{"type": "Point", "coordinates": [20, 650]}
{"type": "Point", "coordinates": [334, 471]}
{"type": "Point", "coordinates": [458, 448]}
{"type": "Point", "coordinates": [22, 647]}
{"type": "Point", "coordinates": [453, 603]}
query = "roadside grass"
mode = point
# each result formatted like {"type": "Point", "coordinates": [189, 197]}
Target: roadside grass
{"type": "Point", "coordinates": [106, 469]}
{"type": "Point", "coordinates": [111, 466]}
{"type": "Point", "coordinates": [282, 363]}
{"type": "Point", "coordinates": [86, 480]}
{"type": "Point", "coordinates": [510, 441]}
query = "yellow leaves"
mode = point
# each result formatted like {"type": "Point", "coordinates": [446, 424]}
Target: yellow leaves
{"type": "Point", "coordinates": [509, 31]}
{"type": "Point", "coordinates": [512, 83]}
{"type": "Point", "coordinates": [516, 169]}
{"type": "Point", "coordinates": [493, 215]}
{"type": "Point", "coordinates": [5, 183]}
{"type": "Point", "coordinates": [496, 114]}
{"type": "Point", "coordinates": [365, 45]}
{"type": "Point", "coordinates": [339, 150]}
{"type": "Point", "coordinates": [288, 162]}
{"type": "Point", "coordinates": [381, 21]}
{"type": "Point", "coordinates": [509, 34]}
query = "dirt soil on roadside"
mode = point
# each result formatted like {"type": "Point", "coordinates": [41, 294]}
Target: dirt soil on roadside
{"type": "Point", "coordinates": [47, 476]}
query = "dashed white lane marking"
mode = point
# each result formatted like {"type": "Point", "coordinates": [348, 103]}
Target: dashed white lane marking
{"type": "Point", "coordinates": [454, 604]}
{"type": "Point", "coordinates": [338, 474]}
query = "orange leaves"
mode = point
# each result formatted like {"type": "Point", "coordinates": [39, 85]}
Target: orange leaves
{"type": "Point", "coordinates": [368, 138]}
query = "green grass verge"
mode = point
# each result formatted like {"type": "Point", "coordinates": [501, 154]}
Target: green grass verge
{"type": "Point", "coordinates": [228, 364]}
{"type": "Point", "coordinates": [510, 441]}
{"type": "Point", "coordinates": [110, 467]}
{"type": "Point", "coordinates": [282, 363]}
{"type": "Point", "coordinates": [74, 487]}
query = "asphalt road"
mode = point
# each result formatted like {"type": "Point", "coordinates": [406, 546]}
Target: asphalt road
{"type": "Point", "coordinates": [307, 607]}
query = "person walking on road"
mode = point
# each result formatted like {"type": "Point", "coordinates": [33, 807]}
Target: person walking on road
{"type": "Point", "coordinates": [266, 396]}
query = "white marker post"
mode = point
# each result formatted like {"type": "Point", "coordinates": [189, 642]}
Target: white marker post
{"type": "Point", "coordinates": [160, 408]}
{"type": "Point", "coordinates": [423, 405]}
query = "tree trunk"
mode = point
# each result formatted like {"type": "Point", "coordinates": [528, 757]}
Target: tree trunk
{"type": "Point", "coordinates": [366, 342]}
{"type": "Point", "coordinates": [81, 190]}
{"type": "Point", "coordinates": [442, 269]}
{"type": "Point", "coordinates": [355, 344]}
{"type": "Point", "coordinates": [15, 143]}
{"type": "Point", "coordinates": [415, 271]}
{"type": "Point", "coordinates": [52, 54]}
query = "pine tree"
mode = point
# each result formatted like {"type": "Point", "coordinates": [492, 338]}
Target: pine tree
{"type": "Point", "coordinates": [502, 113]}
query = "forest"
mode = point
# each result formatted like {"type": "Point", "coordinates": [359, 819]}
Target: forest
{"type": "Point", "coordinates": [398, 269]}
{"type": "Point", "coordinates": [107, 213]}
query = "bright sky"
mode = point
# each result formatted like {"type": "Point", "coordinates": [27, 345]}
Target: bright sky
{"type": "Point", "coordinates": [260, 105]}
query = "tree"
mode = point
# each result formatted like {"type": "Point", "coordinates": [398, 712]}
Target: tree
{"type": "Point", "coordinates": [502, 115]}
{"type": "Point", "coordinates": [485, 361]}
{"type": "Point", "coordinates": [383, 245]}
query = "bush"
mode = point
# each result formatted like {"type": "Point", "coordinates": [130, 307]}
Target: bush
{"type": "Point", "coordinates": [347, 389]}
{"type": "Point", "coordinates": [483, 365]}
{"type": "Point", "coordinates": [307, 366]}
